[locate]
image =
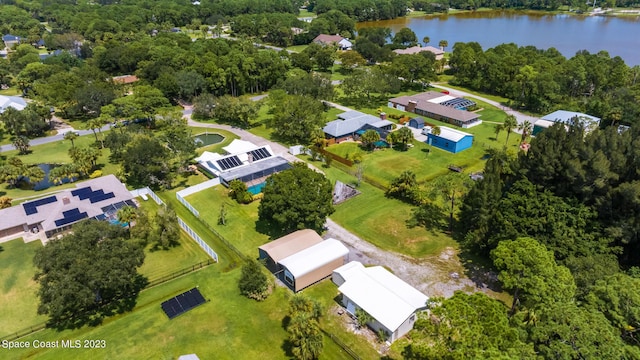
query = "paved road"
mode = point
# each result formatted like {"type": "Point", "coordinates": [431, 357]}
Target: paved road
{"type": "Point", "coordinates": [520, 117]}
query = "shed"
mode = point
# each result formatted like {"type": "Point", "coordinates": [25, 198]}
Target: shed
{"type": "Point", "coordinates": [450, 139]}
{"type": "Point", "coordinates": [417, 123]}
{"type": "Point", "coordinates": [302, 258]}
{"type": "Point", "coordinates": [391, 302]}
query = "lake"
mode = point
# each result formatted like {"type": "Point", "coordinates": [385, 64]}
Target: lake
{"type": "Point", "coordinates": [619, 36]}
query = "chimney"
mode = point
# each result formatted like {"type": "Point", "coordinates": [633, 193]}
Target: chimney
{"type": "Point", "coordinates": [383, 116]}
{"type": "Point", "coordinates": [411, 106]}
{"type": "Point", "coordinates": [250, 158]}
{"type": "Point", "coordinates": [65, 200]}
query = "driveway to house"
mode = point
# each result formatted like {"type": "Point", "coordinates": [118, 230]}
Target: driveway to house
{"type": "Point", "coordinates": [62, 129]}
{"type": "Point", "coordinates": [520, 117]}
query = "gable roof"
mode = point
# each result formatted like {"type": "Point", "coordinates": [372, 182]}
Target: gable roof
{"type": "Point", "coordinates": [328, 39]}
{"type": "Point", "coordinates": [450, 134]}
{"type": "Point", "coordinates": [290, 244]}
{"type": "Point", "coordinates": [314, 257]}
{"type": "Point", "coordinates": [383, 295]}
{"type": "Point", "coordinates": [9, 38]}
{"type": "Point", "coordinates": [429, 102]}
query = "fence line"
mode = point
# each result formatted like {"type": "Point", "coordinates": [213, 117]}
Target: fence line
{"type": "Point", "coordinates": [155, 282]}
{"type": "Point", "coordinates": [342, 345]}
{"type": "Point", "coordinates": [198, 239]}
{"type": "Point", "coordinates": [147, 191]}
{"type": "Point", "coordinates": [189, 207]}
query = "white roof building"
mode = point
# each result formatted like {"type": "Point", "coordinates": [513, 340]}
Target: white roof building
{"type": "Point", "coordinates": [15, 102]}
{"type": "Point", "coordinates": [390, 301]}
{"type": "Point", "coordinates": [314, 257]}
{"type": "Point", "coordinates": [452, 134]}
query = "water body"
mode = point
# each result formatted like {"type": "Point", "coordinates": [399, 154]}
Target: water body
{"type": "Point", "coordinates": [207, 139]}
{"type": "Point", "coordinates": [619, 36]}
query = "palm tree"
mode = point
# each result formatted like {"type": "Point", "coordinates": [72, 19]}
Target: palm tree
{"type": "Point", "coordinates": [95, 124]}
{"type": "Point", "coordinates": [22, 144]}
{"type": "Point", "coordinates": [404, 135]}
{"type": "Point", "coordinates": [71, 135]}
{"type": "Point", "coordinates": [443, 44]}
{"type": "Point", "coordinates": [526, 128]}
{"type": "Point", "coordinates": [391, 138]}
{"type": "Point", "coordinates": [426, 40]}
{"type": "Point", "coordinates": [510, 123]}
{"type": "Point", "coordinates": [498, 128]}
{"type": "Point", "coordinates": [127, 214]}
{"type": "Point", "coordinates": [369, 138]}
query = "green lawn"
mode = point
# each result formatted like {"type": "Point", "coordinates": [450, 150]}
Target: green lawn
{"type": "Point", "coordinates": [240, 229]}
{"type": "Point", "coordinates": [297, 48]}
{"type": "Point", "coordinates": [306, 13]}
{"type": "Point", "coordinates": [18, 298]}
{"type": "Point", "coordinates": [228, 326]}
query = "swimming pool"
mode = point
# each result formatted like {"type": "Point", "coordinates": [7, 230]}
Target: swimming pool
{"type": "Point", "coordinates": [256, 189]}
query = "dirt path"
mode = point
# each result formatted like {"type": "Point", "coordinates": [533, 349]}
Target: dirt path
{"type": "Point", "coordinates": [438, 275]}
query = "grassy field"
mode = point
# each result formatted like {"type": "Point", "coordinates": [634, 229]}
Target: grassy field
{"type": "Point", "coordinates": [18, 299]}
{"type": "Point", "coordinates": [227, 326]}
{"type": "Point", "coordinates": [297, 48]}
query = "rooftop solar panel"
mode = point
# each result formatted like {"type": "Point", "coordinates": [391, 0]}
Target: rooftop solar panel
{"type": "Point", "coordinates": [183, 303]}
{"type": "Point", "coordinates": [101, 197]}
{"type": "Point", "coordinates": [229, 162]}
{"type": "Point", "coordinates": [84, 190]}
{"type": "Point", "coordinates": [259, 154]}
{"type": "Point", "coordinates": [70, 219]}
{"type": "Point", "coordinates": [31, 207]}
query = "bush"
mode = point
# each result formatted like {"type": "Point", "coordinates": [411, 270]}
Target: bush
{"type": "Point", "coordinates": [239, 192]}
{"type": "Point", "coordinates": [253, 283]}
{"type": "Point", "coordinates": [95, 174]}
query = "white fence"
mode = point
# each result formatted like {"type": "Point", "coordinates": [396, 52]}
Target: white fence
{"type": "Point", "coordinates": [198, 239]}
{"type": "Point", "coordinates": [183, 225]}
{"type": "Point", "coordinates": [180, 195]}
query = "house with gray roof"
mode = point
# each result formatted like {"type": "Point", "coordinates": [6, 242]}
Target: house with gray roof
{"type": "Point", "coordinates": [589, 122]}
{"type": "Point", "coordinates": [99, 198]}
{"type": "Point", "coordinates": [348, 124]}
{"type": "Point", "coordinates": [438, 106]}
{"type": "Point", "coordinates": [15, 102]}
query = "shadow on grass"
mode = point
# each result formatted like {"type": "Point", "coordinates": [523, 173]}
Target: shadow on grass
{"type": "Point", "coordinates": [271, 230]}
{"type": "Point", "coordinates": [480, 270]}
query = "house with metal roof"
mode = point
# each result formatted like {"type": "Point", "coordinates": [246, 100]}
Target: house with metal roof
{"type": "Point", "coordinates": [391, 302]}
{"type": "Point", "coordinates": [439, 106]}
{"type": "Point", "coordinates": [99, 198]}
{"type": "Point", "coordinates": [15, 102]}
{"type": "Point", "coordinates": [302, 258]}
{"type": "Point", "coordinates": [244, 161]}
{"type": "Point", "coordinates": [589, 122]}
{"type": "Point", "coordinates": [450, 139]}
{"type": "Point", "coordinates": [348, 124]}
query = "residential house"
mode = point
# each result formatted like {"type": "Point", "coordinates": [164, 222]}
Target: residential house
{"type": "Point", "coordinates": [349, 123]}
{"type": "Point", "coordinates": [11, 40]}
{"type": "Point", "coordinates": [566, 117]}
{"type": "Point", "coordinates": [15, 102]}
{"type": "Point", "coordinates": [98, 198]}
{"type": "Point", "coordinates": [450, 139]}
{"type": "Point", "coordinates": [391, 302]}
{"type": "Point", "coordinates": [438, 106]}
{"type": "Point", "coordinates": [302, 258]}
{"type": "Point", "coordinates": [438, 53]}
{"type": "Point", "coordinates": [333, 40]}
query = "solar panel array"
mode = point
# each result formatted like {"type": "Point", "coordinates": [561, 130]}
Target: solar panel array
{"type": "Point", "coordinates": [31, 208]}
{"type": "Point", "coordinates": [259, 154]}
{"type": "Point", "coordinates": [70, 216]}
{"type": "Point", "coordinates": [229, 162]}
{"type": "Point", "coordinates": [93, 196]}
{"type": "Point", "coordinates": [183, 303]}
{"type": "Point", "coordinates": [458, 103]}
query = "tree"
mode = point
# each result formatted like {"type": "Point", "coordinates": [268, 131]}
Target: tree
{"type": "Point", "coordinates": [96, 124]}
{"type": "Point", "coordinates": [21, 143]}
{"type": "Point", "coordinates": [450, 188]}
{"type": "Point", "coordinates": [294, 199]}
{"type": "Point", "coordinates": [363, 317]}
{"type": "Point", "coordinates": [303, 326]}
{"type": "Point", "coordinates": [5, 202]}
{"type": "Point", "coordinates": [498, 129]}
{"type": "Point", "coordinates": [443, 44]}
{"type": "Point", "coordinates": [167, 229]}
{"type": "Point", "coordinates": [405, 37]}
{"type": "Point", "coordinates": [294, 118]}
{"type": "Point", "coordinates": [405, 187]}
{"type": "Point", "coordinates": [84, 158]}
{"type": "Point", "coordinates": [351, 60]}
{"type": "Point", "coordinates": [369, 138]}
{"type": "Point", "coordinates": [88, 274]}
{"type": "Point", "coordinates": [238, 191]}
{"type": "Point", "coordinates": [526, 129]}
{"type": "Point", "coordinates": [404, 135]}
{"type": "Point", "coordinates": [426, 40]}
{"type": "Point", "coordinates": [510, 123]}
{"type": "Point", "coordinates": [71, 136]}
{"type": "Point", "coordinates": [530, 272]}
{"type": "Point", "coordinates": [145, 162]}
{"type": "Point", "coordinates": [222, 216]}
{"type": "Point", "coordinates": [127, 214]}
{"type": "Point", "coordinates": [253, 283]}
{"type": "Point", "coordinates": [315, 85]}
{"type": "Point", "coordinates": [466, 327]}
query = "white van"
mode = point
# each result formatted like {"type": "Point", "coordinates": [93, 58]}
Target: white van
{"type": "Point", "coordinates": [426, 130]}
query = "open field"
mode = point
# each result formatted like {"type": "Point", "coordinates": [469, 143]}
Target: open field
{"type": "Point", "coordinates": [18, 290]}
